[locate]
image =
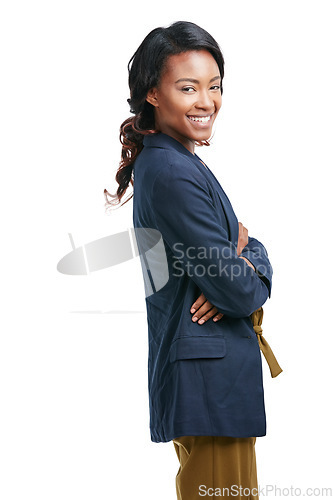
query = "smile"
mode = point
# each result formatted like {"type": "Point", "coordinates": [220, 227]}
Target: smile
{"type": "Point", "coordinates": [200, 119]}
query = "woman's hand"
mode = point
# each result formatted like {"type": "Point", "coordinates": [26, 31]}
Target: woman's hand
{"type": "Point", "coordinates": [204, 310]}
{"type": "Point", "coordinates": [243, 239]}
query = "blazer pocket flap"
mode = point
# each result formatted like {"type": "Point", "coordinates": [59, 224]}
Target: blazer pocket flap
{"type": "Point", "coordinates": [197, 347]}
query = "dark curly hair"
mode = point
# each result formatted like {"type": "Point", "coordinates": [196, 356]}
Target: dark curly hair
{"type": "Point", "coordinates": [145, 68]}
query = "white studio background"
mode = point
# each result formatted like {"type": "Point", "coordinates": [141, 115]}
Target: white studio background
{"type": "Point", "coordinates": [73, 371]}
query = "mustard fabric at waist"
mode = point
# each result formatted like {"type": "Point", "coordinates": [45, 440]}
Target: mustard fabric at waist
{"type": "Point", "coordinates": [256, 318]}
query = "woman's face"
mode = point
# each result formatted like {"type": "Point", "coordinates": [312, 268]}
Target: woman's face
{"type": "Point", "coordinates": [188, 97]}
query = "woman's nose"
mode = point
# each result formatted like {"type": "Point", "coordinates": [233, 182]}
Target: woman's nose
{"type": "Point", "coordinates": [205, 101]}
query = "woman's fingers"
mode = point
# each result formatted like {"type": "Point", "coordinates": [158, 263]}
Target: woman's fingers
{"type": "Point", "coordinates": [218, 317]}
{"type": "Point", "coordinates": [198, 303]}
{"type": "Point", "coordinates": [248, 262]}
{"type": "Point", "coordinates": [203, 315]}
{"type": "Point", "coordinates": [243, 238]}
{"type": "Point", "coordinates": [204, 310]}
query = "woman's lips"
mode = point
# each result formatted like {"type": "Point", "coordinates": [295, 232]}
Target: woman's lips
{"type": "Point", "coordinates": [200, 120]}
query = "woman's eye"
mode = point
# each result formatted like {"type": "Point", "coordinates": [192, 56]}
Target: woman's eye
{"type": "Point", "coordinates": [190, 90]}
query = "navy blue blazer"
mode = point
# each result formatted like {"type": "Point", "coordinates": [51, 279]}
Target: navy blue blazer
{"type": "Point", "coordinates": [202, 379]}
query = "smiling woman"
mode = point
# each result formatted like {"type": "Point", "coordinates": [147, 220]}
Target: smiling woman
{"type": "Point", "coordinates": [151, 62]}
{"type": "Point", "coordinates": [204, 377]}
{"type": "Point", "coordinates": [188, 97]}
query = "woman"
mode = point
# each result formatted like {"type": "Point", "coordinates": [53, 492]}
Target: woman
{"type": "Point", "coordinates": [204, 363]}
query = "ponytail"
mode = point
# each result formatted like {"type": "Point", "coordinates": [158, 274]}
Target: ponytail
{"type": "Point", "coordinates": [131, 137]}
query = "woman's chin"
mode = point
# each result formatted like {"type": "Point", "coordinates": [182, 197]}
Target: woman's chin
{"type": "Point", "coordinates": [203, 136]}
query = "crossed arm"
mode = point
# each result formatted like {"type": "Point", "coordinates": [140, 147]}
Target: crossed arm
{"type": "Point", "coordinates": [202, 309]}
{"type": "Point", "coordinates": [191, 222]}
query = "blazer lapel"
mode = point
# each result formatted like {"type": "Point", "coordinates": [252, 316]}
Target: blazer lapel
{"type": "Point", "coordinates": [224, 201]}
{"type": "Point", "coordinates": [165, 141]}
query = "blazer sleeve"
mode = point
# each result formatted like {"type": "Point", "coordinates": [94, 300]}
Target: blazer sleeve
{"type": "Point", "coordinates": [257, 254]}
{"type": "Point", "coordinates": [187, 219]}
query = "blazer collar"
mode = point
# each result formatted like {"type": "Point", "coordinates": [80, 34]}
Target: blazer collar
{"type": "Point", "coordinates": [161, 140]}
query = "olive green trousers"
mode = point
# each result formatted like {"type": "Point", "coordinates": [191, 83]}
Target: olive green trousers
{"type": "Point", "coordinates": [216, 467]}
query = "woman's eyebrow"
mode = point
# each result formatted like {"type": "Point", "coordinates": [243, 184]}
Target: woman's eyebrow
{"type": "Point", "coordinates": [192, 80]}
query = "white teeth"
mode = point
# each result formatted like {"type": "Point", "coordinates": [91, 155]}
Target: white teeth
{"type": "Point", "coordinates": [203, 119]}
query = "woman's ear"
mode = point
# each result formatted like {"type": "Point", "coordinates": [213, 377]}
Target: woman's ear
{"type": "Point", "coordinates": [152, 97]}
